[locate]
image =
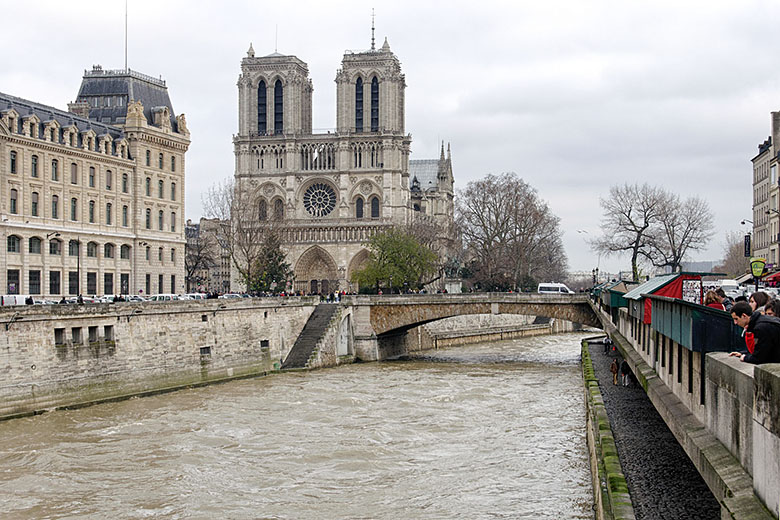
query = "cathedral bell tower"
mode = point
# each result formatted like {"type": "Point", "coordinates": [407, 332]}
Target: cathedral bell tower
{"type": "Point", "coordinates": [275, 95]}
{"type": "Point", "coordinates": [370, 92]}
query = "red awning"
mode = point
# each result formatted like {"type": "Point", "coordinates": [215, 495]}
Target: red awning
{"type": "Point", "coordinates": [774, 277]}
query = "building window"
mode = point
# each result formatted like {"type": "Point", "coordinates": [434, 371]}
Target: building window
{"type": "Point", "coordinates": [124, 183]}
{"type": "Point", "coordinates": [108, 214]}
{"type": "Point", "coordinates": [14, 202]}
{"type": "Point", "coordinates": [54, 282]}
{"type": "Point", "coordinates": [173, 163]}
{"type": "Point", "coordinates": [148, 157]}
{"type": "Point", "coordinates": [108, 251]}
{"type": "Point", "coordinates": [124, 283]}
{"type": "Point", "coordinates": [359, 208]}
{"type": "Point", "coordinates": [74, 173]}
{"type": "Point", "coordinates": [160, 283]}
{"type": "Point", "coordinates": [160, 220]}
{"type": "Point", "coordinates": [160, 187]}
{"type": "Point", "coordinates": [109, 179]}
{"type": "Point", "coordinates": [278, 108]}
{"type": "Point", "coordinates": [173, 283]}
{"type": "Point", "coordinates": [148, 187]}
{"type": "Point", "coordinates": [262, 212]}
{"type": "Point", "coordinates": [148, 218]}
{"type": "Point", "coordinates": [359, 105]}
{"type": "Point", "coordinates": [74, 208]}
{"type": "Point", "coordinates": [262, 108]}
{"type": "Point", "coordinates": [12, 276]}
{"type": "Point", "coordinates": [148, 284]}
{"type": "Point", "coordinates": [34, 203]}
{"type": "Point", "coordinates": [124, 216]}
{"type": "Point", "coordinates": [108, 283]}
{"type": "Point", "coordinates": [34, 281]}
{"type": "Point", "coordinates": [374, 105]}
{"type": "Point", "coordinates": [92, 249]}
{"type": "Point", "coordinates": [374, 207]}
{"type": "Point", "coordinates": [33, 166]}
{"type": "Point", "coordinates": [55, 174]}
{"type": "Point", "coordinates": [91, 283]}
{"type": "Point", "coordinates": [173, 255]}
{"type": "Point", "coordinates": [173, 191]}
{"type": "Point", "coordinates": [73, 248]}
{"type": "Point", "coordinates": [55, 247]}
{"type": "Point", "coordinates": [35, 245]}
{"type": "Point", "coordinates": [14, 244]}
{"type": "Point", "coordinates": [160, 161]}
{"type": "Point", "coordinates": [124, 252]}
{"type": "Point", "coordinates": [92, 211]}
{"type": "Point", "coordinates": [278, 209]}
{"type": "Point", "coordinates": [13, 162]}
{"type": "Point", "coordinates": [148, 253]}
{"type": "Point", "coordinates": [91, 176]}
{"type": "Point", "coordinates": [160, 254]}
{"type": "Point", "coordinates": [55, 206]}
{"type": "Point", "coordinates": [73, 283]}
{"type": "Point", "coordinates": [173, 221]}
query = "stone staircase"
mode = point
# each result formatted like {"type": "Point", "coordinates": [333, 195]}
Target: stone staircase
{"type": "Point", "coordinates": [306, 344]}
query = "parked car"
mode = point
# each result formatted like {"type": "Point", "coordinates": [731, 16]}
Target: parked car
{"type": "Point", "coordinates": [196, 296]}
{"type": "Point", "coordinates": [164, 298]}
{"type": "Point", "coordinates": [229, 296]}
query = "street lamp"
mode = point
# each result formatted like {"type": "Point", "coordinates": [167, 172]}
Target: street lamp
{"type": "Point", "coordinates": [746, 220]}
{"type": "Point", "coordinates": [52, 234]}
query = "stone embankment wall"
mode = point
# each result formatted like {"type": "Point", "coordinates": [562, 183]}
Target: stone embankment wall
{"type": "Point", "coordinates": [68, 355]}
{"type": "Point", "coordinates": [725, 418]}
{"type": "Point", "coordinates": [465, 330]}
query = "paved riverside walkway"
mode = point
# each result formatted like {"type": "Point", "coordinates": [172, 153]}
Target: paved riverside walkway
{"type": "Point", "coordinates": [663, 482]}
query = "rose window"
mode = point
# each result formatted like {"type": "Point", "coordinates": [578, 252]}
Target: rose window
{"type": "Point", "coordinates": [319, 199]}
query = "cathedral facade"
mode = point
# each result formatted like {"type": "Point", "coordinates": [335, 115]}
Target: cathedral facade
{"type": "Point", "coordinates": [332, 191]}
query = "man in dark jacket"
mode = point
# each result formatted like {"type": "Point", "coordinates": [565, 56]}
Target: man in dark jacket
{"type": "Point", "coordinates": [766, 334]}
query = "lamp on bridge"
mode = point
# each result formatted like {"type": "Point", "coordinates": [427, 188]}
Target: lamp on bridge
{"type": "Point", "coordinates": [595, 273]}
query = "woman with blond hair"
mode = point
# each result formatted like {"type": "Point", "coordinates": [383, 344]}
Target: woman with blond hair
{"type": "Point", "coordinates": [711, 300]}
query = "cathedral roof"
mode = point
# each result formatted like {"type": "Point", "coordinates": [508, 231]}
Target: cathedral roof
{"type": "Point", "coordinates": [47, 114]}
{"type": "Point", "coordinates": [426, 171]}
{"type": "Point", "coordinates": [134, 86]}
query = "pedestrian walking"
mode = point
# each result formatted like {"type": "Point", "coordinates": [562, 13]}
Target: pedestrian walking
{"type": "Point", "coordinates": [624, 371]}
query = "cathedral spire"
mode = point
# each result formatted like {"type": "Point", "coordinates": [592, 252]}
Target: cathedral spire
{"type": "Point", "coordinates": [442, 150]}
{"type": "Point", "coordinates": [251, 52]}
{"type": "Point", "coordinates": [373, 47]}
{"type": "Point", "coordinates": [449, 153]}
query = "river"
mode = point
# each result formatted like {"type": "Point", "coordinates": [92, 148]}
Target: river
{"type": "Point", "coordinates": [493, 430]}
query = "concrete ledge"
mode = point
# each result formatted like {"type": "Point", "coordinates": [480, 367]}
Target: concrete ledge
{"type": "Point", "coordinates": [610, 489]}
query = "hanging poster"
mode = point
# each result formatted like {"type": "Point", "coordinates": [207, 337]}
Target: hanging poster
{"type": "Point", "coordinates": [691, 291]}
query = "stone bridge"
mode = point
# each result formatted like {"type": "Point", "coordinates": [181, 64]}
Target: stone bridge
{"type": "Point", "coordinates": [379, 319]}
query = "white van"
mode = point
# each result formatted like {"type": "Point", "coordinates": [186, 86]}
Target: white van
{"type": "Point", "coordinates": [553, 288]}
{"type": "Point", "coordinates": [164, 298]}
{"type": "Point", "coordinates": [13, 299]}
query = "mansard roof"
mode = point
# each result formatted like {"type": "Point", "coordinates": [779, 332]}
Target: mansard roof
{"type": "Point", "coordinates": [47, 114]}
{"type": "Point", "coordinates": [133, 86]}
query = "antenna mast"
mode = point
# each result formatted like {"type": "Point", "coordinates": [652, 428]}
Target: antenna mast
{"type": "Point", "coordinates": [373, 47]}
{"type": "Point", "coordinates": [126, 36]}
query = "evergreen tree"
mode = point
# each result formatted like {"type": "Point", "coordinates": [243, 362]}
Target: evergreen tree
{"type": "Point", "coordinates": [271, 271]}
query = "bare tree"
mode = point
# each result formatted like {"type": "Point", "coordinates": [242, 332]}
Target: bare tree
{"type": "Point", "coordinates": [683, 226]}
{"type": "Point", "coordinates": [630, 212]}
{"type": "Point", "coordinates": [511, 236]}
{"type": "Point", "coordinates": [243, 226]}
{"type": "Point", "coordinates": [735, 263]}
{"type": "Point", "coordinates": [201, 254]}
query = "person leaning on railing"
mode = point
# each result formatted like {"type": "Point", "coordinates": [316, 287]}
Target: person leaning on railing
{"type": "Point", "coordinates": [762, 334]}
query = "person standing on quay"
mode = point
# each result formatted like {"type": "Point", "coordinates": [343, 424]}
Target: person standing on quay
{"type": "Point", "coordinates": [614, 369]}
{"type": "Point", "coordinates": [624, 370]}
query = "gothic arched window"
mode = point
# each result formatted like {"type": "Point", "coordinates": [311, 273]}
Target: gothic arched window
{"type": "Point", "coordinates": [278, 107]}
{"type": "Point", "coordinates": [359, 208]}
{"type": "Point", "coordinates": [374, 105]}
{"type": "Point", "coordinates": [262, 108]}
{"type": "Point", "coordinates": [262, 210]}
{"type": "Point", "coordinates": [359, 105]}
{"type": "Point", "coordinates": [278, 209]}
{"type": "Point", "coordinates": [374, 207]}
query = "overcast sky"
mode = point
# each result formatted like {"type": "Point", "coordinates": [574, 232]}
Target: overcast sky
{"type": "Point", "coordinates": [572, 96]}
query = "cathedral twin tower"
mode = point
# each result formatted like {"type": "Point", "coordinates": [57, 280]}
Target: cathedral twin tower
{"type": "Point", "coordinates": [332, 191]}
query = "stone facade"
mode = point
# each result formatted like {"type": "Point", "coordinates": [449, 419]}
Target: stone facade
{"type": "Point", "coordinates": [766, 221]}
{"type": "Point", "coordinates": [332, 191]}
{"type": "Point", "coordinates": [92, 200]}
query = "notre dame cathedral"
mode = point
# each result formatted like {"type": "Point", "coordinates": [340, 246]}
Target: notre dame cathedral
{"type": "Point", "coordinates": [334, 190]}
